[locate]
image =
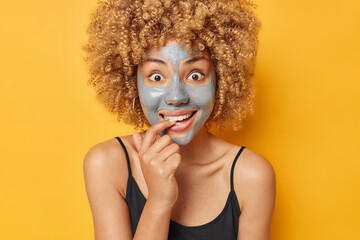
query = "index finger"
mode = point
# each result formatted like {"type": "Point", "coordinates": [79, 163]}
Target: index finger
{"type": "Point", "coordinates": [153, 132]}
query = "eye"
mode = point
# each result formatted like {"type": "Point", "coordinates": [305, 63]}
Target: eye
{"type": "Point", "coordinates": [156, 77]}
{"type": "Point", "coordinates": [195, 76]}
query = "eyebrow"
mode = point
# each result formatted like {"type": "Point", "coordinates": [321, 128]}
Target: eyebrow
{"type": "Point", "coordinates": [155, 60]}
{"type": "Point", "coordinates": [195, 59]}
{"type": "Point", "coordinates": [187, 62]}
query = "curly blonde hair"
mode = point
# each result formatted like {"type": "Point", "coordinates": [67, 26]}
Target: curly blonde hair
{"type": "Point", "coordinates": [121, 31]}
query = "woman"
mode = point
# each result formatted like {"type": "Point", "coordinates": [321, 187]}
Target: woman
{"type": "Point", "coordinates": [180, 67]}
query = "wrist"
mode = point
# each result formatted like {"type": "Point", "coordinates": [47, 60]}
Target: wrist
{"type": "Point", "coordinates": [159, 206]}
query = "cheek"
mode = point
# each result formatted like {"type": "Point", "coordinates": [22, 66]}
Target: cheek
{"type": "Point", "coordinates": [203, 97]}
{"type": "Point", "coordinates": [151, 99]}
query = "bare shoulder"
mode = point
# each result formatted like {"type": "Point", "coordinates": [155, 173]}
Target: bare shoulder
{"type": "Point", "coordinates": [250, 165]}
{"type": "Point", "coordinates": [254, 166]}
{"type": "Point", "coordinates": [105, 172]}
{"type": "Point", "coordinates": [255, 188]}
{"type": "Point", "coordinates": [254, 177]}
{"type": "Point", "coordinates": [106, 162]}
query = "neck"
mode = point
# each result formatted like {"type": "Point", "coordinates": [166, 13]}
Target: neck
{"type": "Point", "coordinates": [196, 151]}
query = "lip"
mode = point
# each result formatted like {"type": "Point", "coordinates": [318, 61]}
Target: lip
{"type": "Point", "coordinates": [175, 112]}
{"type": "Point", "coordinates": [185, 125]}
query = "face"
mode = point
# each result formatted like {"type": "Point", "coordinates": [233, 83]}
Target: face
{"type": "Point", "coordinates": [177, 86]}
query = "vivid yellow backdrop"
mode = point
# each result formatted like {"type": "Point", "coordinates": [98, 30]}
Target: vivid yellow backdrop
{"type": "Point", "coordinates": [306, 121]}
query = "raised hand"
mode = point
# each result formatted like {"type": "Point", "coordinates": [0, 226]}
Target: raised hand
{"type": "Point", "coordinates": [159, 158]}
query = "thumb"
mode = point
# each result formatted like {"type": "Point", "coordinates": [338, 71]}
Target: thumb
{"type": "Point", "coordinates": [138, 139]}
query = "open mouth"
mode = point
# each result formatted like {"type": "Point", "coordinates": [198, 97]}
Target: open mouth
{"type": "Point", "coordinates": [182, 119]}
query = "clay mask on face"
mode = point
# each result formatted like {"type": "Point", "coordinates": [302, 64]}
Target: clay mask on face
{"type": "Point", "coordinates": [189, 105]}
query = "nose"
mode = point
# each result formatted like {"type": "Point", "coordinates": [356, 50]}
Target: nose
{"type": "Point", "coordinates": [177, 94]}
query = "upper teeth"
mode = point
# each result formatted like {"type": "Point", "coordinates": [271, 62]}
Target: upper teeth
{"type": "Point", "coordinates": [177, 118]}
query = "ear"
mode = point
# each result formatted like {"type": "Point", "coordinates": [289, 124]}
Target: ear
{"type": "Point", "coordinates": [138, 139]}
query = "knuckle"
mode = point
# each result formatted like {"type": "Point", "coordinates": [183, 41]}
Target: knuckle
{"type": "Point", "coordinates": [146, 158]}
{"type": "Point", "coordinates": [174, 160]}
{"type": "Point", "coordinates": [176, 147]}
{"type": "Point", "coordinates": [167, 138]}
{"type": "Point", "coordinates": [151, 130]}
{"type": "Point", "coordinates": [177, 155]}
{"type": "Point", "coordinates": [152, 163]}
{"type": "Point", "coordinates": [162, 172]}
{"type": "Point", "coordinates": [173, 166]}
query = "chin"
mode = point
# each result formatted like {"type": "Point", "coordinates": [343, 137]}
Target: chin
{"type": "Point", "coordinates": [181, 140]}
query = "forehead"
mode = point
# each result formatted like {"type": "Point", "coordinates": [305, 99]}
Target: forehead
{"type": "Point", "coordinates": [173, 53]}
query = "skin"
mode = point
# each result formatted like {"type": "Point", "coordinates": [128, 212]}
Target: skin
{"type": "Point", "coordinates": [175, 179]}
{"type": "Point", "coordinates": [176, 90]}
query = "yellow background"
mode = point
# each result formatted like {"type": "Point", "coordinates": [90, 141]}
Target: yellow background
{"type": "Point", "coordinates": [306, 121]}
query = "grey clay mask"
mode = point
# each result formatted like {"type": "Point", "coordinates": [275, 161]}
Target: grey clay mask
{"type": "Point", "coordinates": [177, 95]}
